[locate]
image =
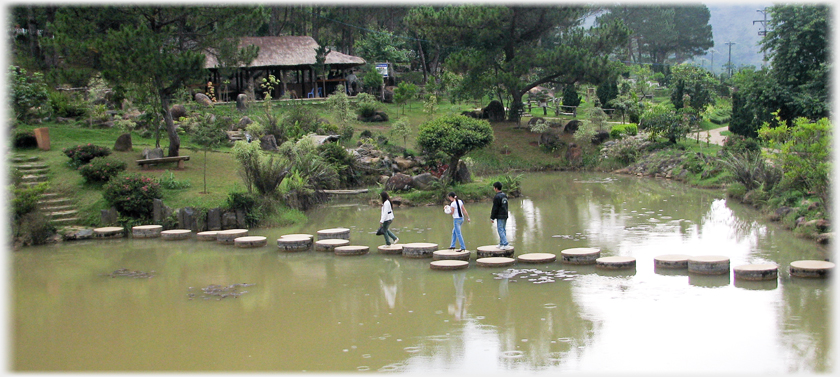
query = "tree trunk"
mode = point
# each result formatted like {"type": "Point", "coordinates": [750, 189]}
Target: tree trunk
{"type": "Point", "coordinates": [515, 105]}
{"type": "Point", "coordinates": [453, 168]}
{"type": "Point", "coordinates": [205, 171]}
{"type": "Point", "coordinates": [174, 139]}
{"type": "Point", "coordinates": [423, 61]}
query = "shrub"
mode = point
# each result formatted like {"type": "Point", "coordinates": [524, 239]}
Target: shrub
{"type": "Point", "coordinates": [624, 129]}
{"type": "Point", "coordinates": [248, 203]}
{"type": "Point", "coordinates": [341, 161]}
{"type": "Point", "coordinates": [751, 169]}
{"type": "Point", "coordinates": [25, 199]}
{"type": "Point", "coordinates": [29, 93]}
{"type": "Point", "coordinates": [63, 105]}
{"type": "Point", "coordinates": [83, 154]}
{"type": "Point", "coordinates": [366, 109]}
{"type": "Point", "coordinates": [347, 132]}
{"type": "Point", "coordinates": [34, 228]}
{"type": "Point", "coordinates": [167, 180]}
{"type": "Point", "coordinates": [736, 190]}
{"type": "Point", "coordinates": [132, 195]}
{"type": "Point", "coordinates": [739, 144]}
{"type": "Point", "coordinates": [24, 140]}
{"type": "Point", "coordinates": [102, 169]}
{"type": "Point", "coordinates": [260, 171]}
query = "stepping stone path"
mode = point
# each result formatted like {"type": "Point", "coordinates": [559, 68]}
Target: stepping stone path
{"type": "Point", "coordinates": [108, 232]}
{"type": "Point", "coordinates": [175, 234]}
{"type": "Point", "coordinates": [536, 258]}
{"type": "Point", "coordinates": [146, 231]}
{"type": "Point", "coordinates": [671, 261]}
{"type": "Point", "coordinates": [294, 243]}
{"type": "Point", "coordinates": [419, 250]}
{"type": "Point", "coordinates": [495, 262]}
{"type": "Point", "coordinates": [493, 251]}
{"type": "Point", "coordinates": [766, 271]}
{"type": "Point", "coordinates": [447, 254]}
{"type": "Point", "coordinates": [709, 264]}
{"type": "Point", "coordinates": [59, 208]}
{"type": "Point", "coordinates": [210, 235]}
{"type": "Point", "coordinates": [449, 264]}
{"type": "Point", "coordinates": [615, 263]}
{"type": "Point", "coordinates": [392, 249]}
{"type": "Point", "coordinates": [580, 255]}
{"type": "Point", "coordinates": [250, 241]}
{"type": "Point", "coordinates": [339, 233]}
{"type": "Point", "coordinates": [351, 250]}
{"type": "Point", "coordinates": [226, 237]}
{"type": "Point", "coordinates": [330, 244]}
{"type": "Point", "coordinates": [811, 269]}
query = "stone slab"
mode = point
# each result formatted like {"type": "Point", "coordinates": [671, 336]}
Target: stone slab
{"type": "Point", "coordinates": [351, 250]}
{"type": "Point", "coordinates": [580, 255]}
{"type": "Point", "coordinates": [615, 263]}
{"type": "Point", "coordinates": [447, 254]}
{"type": "Point", "coordinates": [330, 244]}
{"type": "Point", "coordinates": [536, 258]}
{"type": "Point", "coordinates": [761, 271]}
{"type": "Point", "coordinates": [340, 233]}
{"type": "Point", "coordinates": [175, 234]}
{"type": "Point", "coordinates": [495, 262]}
{"type": "Point", "coordinates": [250, 241]}
{"type": "Point", "coordinates": [392, 249]}
{"type": "Point", "coordinates": [675, 261]}
{"type": "Point", "coordinates": [490, 251]}
{"type": "Point", "coordinates": [449, 264]}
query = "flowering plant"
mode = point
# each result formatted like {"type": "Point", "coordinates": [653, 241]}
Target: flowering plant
{"type": "Point", "coordinates": [82, 154]}
{"type": "Point", "coordinates": [132, 195]}
{"type": "Point", "coordinates": [101, 169]}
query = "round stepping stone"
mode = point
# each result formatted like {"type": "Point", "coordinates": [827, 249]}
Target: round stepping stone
{"type": "Point", "coordinates": [536, 258]}
{"type": "Point", "coordinates": [449, 264]}
{"type": "Point", "coordinates": [175, 234]}
{"type": "Point", "coordinates": [226, 237]}
{"type": "Point", "coordinates": [339, 233]}
{"type": "Point", "coordinates": [811, 268]}
{"type": "Point", "coordinates": [209, 235]}
{"type": "Point", "coordinates": [419, 250]}
{"type": "Point", "coordinates": [351, 250]}
{"type": "Point", "coordinates": [615, 263]}
{"type": "Point", "coordinates": [451, 255]}
{"type": "Point", "coordinates": [580, 255]}
{"type": "Point", "coordinates": [392, 249]}
{"type": "Point", "coordinates": [294, 243]}
{"type": "Point", "coordinates": [108, 232]}
{"type": "Point", "coordinates": [674, 261]}
{"type": "Point", "coordinates": [330, 244]}
{"type": "Point", "coordinates": [709, 264]}
{"type": "Point", "coordinates": [250, 241]}
{"type": "Point", "coordinates": [490, 251]}
{"type": "Point", "coordinates": [297, 235]}
{"type": "Point", "coordinates": [767, 271]}
{"type": "Point", "coordinates": [495, 262]}
{"type": "Point", "coordinates": [146, 231]}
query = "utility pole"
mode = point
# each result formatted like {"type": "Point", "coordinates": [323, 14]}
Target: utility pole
{"type": "Point", "coordinates": [729, 63]}
{"type": "Point", "coordinates": [713, 51]}
{"type": "Point", "coordinates": [764, 26]}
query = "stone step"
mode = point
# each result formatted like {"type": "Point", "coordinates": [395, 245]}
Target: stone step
{"type": "Point", "coordinates": [31, 183]}
{"type": "Point", "coordinates": [62, 214]}
{"type": "Point", "coordinates": [31, 167]}
{"type": "Point", "coordinates": [66, 221]}
{"type": "Point", "coordinates": [24, 159]}
{"type": "Point", "coordinates": [34, 178]}
{"type": "Point", "coordinates": [58, 208]}
{"type": "Point", "coordinates": [57, 201]}
{"type": "Point", "coordinates": [35, 171]}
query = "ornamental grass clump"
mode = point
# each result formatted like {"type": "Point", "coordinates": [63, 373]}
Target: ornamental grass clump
{"type": "Point", "coordinates": [101, 169]}
{"type": "Point", "coordinates": [132, 195]}
{"type": "Point", "coordinates": [83, 154]}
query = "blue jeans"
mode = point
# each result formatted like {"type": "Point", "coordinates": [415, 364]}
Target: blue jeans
{"type": "Point", "coordinates": [388, 232]}
{"type": "Point", "coordinates": [500, 226]}
{"type": "Point", "coordinates": [456, 232]}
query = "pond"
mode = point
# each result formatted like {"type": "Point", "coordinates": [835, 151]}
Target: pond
{"type": "Point", "coordinates": [317, 312]}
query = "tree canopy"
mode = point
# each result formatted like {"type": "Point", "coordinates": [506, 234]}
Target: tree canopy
{"type": "Point", "coordinates": [455, 136]}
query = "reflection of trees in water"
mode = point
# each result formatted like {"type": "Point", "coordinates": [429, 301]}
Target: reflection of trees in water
{"type": "Point", "coordinates": [806, 324]}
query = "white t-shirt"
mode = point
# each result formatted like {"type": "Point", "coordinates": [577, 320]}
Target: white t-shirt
{"type": "Point", "coordinates": [455, 208]}
{"type": "Point", "coordinates": [387, 212]}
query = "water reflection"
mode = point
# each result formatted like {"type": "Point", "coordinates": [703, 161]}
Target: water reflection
{"type": "Point", "coordinates": [313, 311]}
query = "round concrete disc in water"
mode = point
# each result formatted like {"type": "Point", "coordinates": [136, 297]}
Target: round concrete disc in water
{"type": "Point", "coordinates": [250, 241]}
{"type": "Point", "coordinates": [451, 255]}
{"type": "Point", "coordinates": [495, 262]}
{"type": "Point", "coordinates": [536, 258]}
{"type": "Point", "coordinates": [351, 250]}
{"type": "Point", "coordinates": [209, 235]}
{"type": "Point", "coordinates": [449, 264]}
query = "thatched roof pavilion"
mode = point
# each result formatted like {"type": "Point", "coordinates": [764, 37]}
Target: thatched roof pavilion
{"type": "Point", "coordinates": [290, 59]}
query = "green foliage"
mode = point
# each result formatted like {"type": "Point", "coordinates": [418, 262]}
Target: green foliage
{"type": "Point", "coordinates": [341, 161]}
{"type": "Point", "coordinates": [366, 109]}
{"type": "Point", "coordinates": [571, 96]}
{"type": "Point", "coordinates": [65, 105]}
{"type": "Point", "coordinates": [740, 144]}
{"type": "Point", "coordinates": [83, 154]}
{"type": "Point", "coordinates": [33, 228]}
{"type": "Point", "coordinates": [340, 106]}
{"type": "Point", "coordinates": [607, 90]}
{"type": "Point", "coordinates": [371, 78]}
{"type": "Point", "coordinates": [697, 83]}
{"type": "Point", "coordinates": [248, 203]}
{"type": "Point", "coordinates": [132, 195]}
{"type": "Point", "coordinates": [261, 171]}
{"type": "Point", "coordinates": [25, 199]}
{"type": "Point", "coordinates": [454, 135]}
{"type": "Point", "coordinates": [736, 190]}
{"type": "Point", "coordinates": [402, 128]}
{"type": "Point", "coordinates": [403, 92]}
{"type": "Point", "coordinates": [381, 46]}
{"type": "Point", "coordinates": [430, 105]}
{"type": "Point", "coordinates": [619, 130]}
{"type": "Point", "coordinates": [751, 169]}
{"type": "Point", "coordinates": [168, 181]}
{"type": "Point", "coordinates": [102, 169]}
{"type": "Point", "coordinates": [804, 154]}
{"type": "Point", "coordinates": [29, 97]}
{"type": "Point", "coordinates": [662, 121]}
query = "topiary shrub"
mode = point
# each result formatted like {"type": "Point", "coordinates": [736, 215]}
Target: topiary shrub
{"type": "Point", "coordinates": [132, 195]}
{"type": "Point", "coordinates": [101, 169]}
{"type": "Point", "coordinates": [624, 129]}
{"type": "Point", "coordinates": [24, 140]}
{"type": "Point", "coordinates": [83, 154]}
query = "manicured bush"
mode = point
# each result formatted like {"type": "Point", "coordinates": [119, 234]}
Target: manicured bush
{"type": "Point", "coordinates": [624, 129]}
{"type": "Point", "coordinates": [132, 195]}
{"type": "Point", "coordinates": [83, 154]}
{"type": "Point", "coordinates": [24, 140]}
{"type": "Point", "coordinates": [101, 169]}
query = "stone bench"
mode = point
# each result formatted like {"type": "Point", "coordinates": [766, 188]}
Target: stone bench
{"type": "Point", "coordinates": [144, 164]}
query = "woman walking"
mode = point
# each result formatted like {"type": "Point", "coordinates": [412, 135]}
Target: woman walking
{"type": "Point", "coordinates": [459, 213]}
{"type": "Point", "coordinates": [386, 218]}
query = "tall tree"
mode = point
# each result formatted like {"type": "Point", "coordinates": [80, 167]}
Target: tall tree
{"type": "Point", "coordinates": [167, 45]}
{"type": "Point", "coordinates": [516, 48]}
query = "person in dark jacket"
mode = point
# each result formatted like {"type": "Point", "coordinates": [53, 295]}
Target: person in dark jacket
{"type": "Point", "coordinates": [499, 214]}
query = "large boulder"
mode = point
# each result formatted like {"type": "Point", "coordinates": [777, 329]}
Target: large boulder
{"type": "Point", "coordinates": [229, 219]}
{"type": "Point", "coordinates": [551, 139]}
{"type": "Point", "coordinates": [494, 111]}
{"type": "Point", "coordinates": [244, 122]}
{"type": "Point", "coordinates": [404, 163]}
{"type": "Point", "coordinates": [462, 175]}
{"type": "Point", "coordinates": [152, 153]}
{"type": "Point", "coordinates": [187, 219]}
{"type": "Point", "coordinates": [178, 112]}
{"type": "Point", "coordinates": [388, 94]}
{"type": "Point", "coordinates": [378, 116]}
{"type": "Point", "coordinates": [123, 143]}
{"type": "Point", "coordinates": [108, 216]}
{"type": "Point", "coordinates": [423, 181]}
{"type": "Point", "coordinates": [268, 143]}
{"type": "Point", "coordinates": [574, 154]}
{"type": "Point", "coordinates": [242, 102]}
{"type": "Point", "coordinates": [572, 126]}
{"type": "Point", "coordinates": [399, 182]}
{"type": "Point", "coordinates": [600, 137]}
{"type": "Point", "coordinates": [214, 219]}
{"type": "Point", "coordinates": [160, 211]}
{"type": "Point", "coordinates": [202, 99]}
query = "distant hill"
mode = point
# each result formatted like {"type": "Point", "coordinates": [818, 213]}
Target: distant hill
{"type": "Point", "coordinates": [734, 23]}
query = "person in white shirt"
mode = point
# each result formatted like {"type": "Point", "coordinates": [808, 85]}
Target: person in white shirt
{"type": "Point", "coordinates": [386, 218]}
{"type": "Point", "coordinates": [459, 213]}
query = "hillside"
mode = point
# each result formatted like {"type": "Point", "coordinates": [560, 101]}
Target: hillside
{"type": "Point", "coordinates": [735, 23]}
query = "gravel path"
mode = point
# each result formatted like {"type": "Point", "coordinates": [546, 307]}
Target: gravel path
{"type": "Point", "coordinates": [716, 138]}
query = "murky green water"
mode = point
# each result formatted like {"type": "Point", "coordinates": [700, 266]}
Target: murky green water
{"type": "Point", "coordinates": [317, 312]}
